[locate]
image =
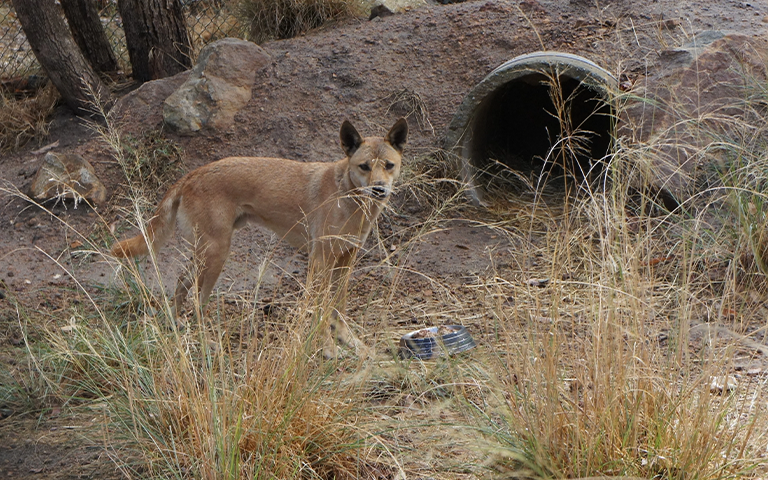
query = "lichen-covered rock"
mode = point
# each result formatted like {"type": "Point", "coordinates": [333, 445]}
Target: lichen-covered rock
{"type": "Point", "coordinates": [67, 176]}
{"type": "Point", "coordinates": [217, 88]}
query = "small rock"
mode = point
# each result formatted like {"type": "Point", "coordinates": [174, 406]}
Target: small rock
{"type": "Point", "coordinates": [527, 6]}
{"type": "Point", "coordinates": [676, 58]}
{"type": "Point", "coordinates": [723, 384]}
{"type": "Point", "coordinates": [537, 282]}
{"type": "Point", "coordinates": [67, 175]}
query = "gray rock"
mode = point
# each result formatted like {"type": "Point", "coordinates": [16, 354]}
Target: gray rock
{"type": "Point", "coordinates": [217, 87]}
{"type": "Point", "coordinates": [67, 175]}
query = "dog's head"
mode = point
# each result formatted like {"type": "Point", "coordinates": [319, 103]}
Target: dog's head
{"type": "Point", "coordinates": [374, 162]}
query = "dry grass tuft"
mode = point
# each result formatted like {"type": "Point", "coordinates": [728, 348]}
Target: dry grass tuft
{"type": "Point", "coordinates": [25, 119]}
{"type": "Point", "coordinates": [153, 160]}
{"type": "Point", "coordinates": [279, 19]}
{"type": "Point", "coordinates": [409, 104]}
{"type": "Point", "coordinates": [212, 404]}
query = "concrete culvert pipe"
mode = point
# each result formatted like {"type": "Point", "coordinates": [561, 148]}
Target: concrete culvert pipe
{"type": "Point", "coordinates": [542, 113]}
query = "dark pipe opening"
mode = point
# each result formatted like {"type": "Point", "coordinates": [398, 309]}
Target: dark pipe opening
{"type": "Point", "coordinates": [546, 116]}
{"type": "Point", "coordinates": [519, 126]}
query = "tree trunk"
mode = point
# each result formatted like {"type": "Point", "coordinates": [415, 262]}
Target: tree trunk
{"type": "Point", "coordinates": [59, 56]}
{"type": "Point", "coordinates": [85, 24]}
{"type": "Point", "coordinates": [157, 39]}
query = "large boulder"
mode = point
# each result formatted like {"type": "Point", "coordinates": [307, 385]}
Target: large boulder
{"type": "Point", "coordinates": [142, 107]}
{"type": "Point", "coordinates": [698, 93]}
{"type": "Point", "coordinates": [217, 88]}
{"type": "Point", "coordinates": [67, 176]}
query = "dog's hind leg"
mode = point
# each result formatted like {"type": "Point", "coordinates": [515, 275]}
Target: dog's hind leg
{"type": "Point", "coordinates": [186, 280]}
{"type": "Point", "coordinates": [212, 262]}
{"type": "Point", "coordinates": [206, 265]}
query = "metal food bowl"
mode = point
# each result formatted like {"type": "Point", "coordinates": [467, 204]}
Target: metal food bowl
{"type": "Point", "coordinates": [433, 342]}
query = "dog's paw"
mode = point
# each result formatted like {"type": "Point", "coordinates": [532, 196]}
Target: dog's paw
{"type": "Point", "coordinates": [333, 352]}
{"type": "Point", "coordinates": [364, 352]}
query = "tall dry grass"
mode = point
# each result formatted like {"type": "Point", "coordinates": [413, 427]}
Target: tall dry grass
{"type": "Point", "coordinates": [600, 374]}
{"type": "Point", "coordinates": [609, 369]}
{"type": "Point", "coordinates": [209, 404]}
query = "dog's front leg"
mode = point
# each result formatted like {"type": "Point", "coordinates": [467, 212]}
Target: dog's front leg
{"type": "Point", "coordinates": [340, 281]}
{"type": "Point", "coordinates": [328, 278]}
{"type": "Point", "coordinates": [320, 290]}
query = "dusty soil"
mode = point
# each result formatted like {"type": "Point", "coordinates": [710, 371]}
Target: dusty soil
{"type": "Point", "coordinates": [368, 72]}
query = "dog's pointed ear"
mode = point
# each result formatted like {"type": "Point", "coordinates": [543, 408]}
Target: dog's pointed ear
{"type": "Point", "coordinates": [350, 139]}
{"type": "Point", "coordinates": [397, 135]}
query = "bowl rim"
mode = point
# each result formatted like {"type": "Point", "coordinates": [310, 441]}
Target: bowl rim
{"type": "Point", "coordinates": [459, 330]}
{"type": "Point", "coordinates": [432, 347]}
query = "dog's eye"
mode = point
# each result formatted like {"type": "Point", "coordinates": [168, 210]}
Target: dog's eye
{"type": "Point", "coordinates": [365, 167]}
{"type": "Point", "coordinates": [389, 166]}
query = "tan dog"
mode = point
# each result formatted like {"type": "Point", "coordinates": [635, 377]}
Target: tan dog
{"type": "Point", "coordinates": [326, 208]}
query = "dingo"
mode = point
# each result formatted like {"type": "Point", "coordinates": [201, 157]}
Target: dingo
{"type": "Point", "coordinates": [326, 208]}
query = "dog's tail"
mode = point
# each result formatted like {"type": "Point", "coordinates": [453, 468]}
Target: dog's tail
{"type": "Point", "coordinates": [159, 228]}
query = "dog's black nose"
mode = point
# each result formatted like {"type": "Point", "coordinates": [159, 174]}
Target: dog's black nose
{"type": "Point", "coordinates": [379, 191]}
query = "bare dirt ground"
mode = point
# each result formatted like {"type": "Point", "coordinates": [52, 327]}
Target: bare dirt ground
{"type": "Point", "coordinates": [357, 70]}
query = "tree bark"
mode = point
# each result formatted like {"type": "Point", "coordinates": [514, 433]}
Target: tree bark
{"type": "Point", "coordinates": [156, 34]}
{"type": "Point", "coordinates": [89, 34]}
{"type": "Point", "coordinates": [59, 56]}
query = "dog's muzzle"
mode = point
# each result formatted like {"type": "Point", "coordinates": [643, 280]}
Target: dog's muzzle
{"type": "Point", "coordinates": [379, 192]}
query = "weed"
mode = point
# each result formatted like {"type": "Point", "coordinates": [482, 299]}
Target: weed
{"type": "Point", "coordinates": [201, 403]}
{"type": "Point", "coordinates": [409, 104]}
{"type": "Point", "coordinates": [154, 160]}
